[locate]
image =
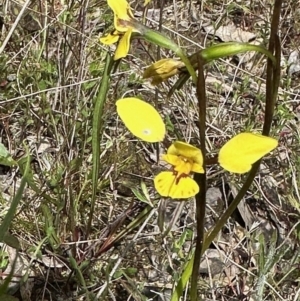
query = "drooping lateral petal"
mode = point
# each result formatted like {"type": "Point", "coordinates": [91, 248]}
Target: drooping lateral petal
{"type": "Point", "coordinates": [158, 79]}
{"type": "Point", "coordinates": [162, 70]}
{"type": "Point", "coordinates": [163, 182]}
{"type": "Point", "coordinates": [168, 185]}
{"type": "Point", "coordinates": [109, 39]}
{"type": "Point", "coordinates": [244, 149]}
{"type": "Point", "coordinates": [123, 46]}
{"type": "Point", "coordinates": [141, 119]}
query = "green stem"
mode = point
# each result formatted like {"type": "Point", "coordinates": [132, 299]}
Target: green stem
{"type": "Point", "coordinates": [273, 72]}
{"type": "Point", "coordinates": [201, 181]}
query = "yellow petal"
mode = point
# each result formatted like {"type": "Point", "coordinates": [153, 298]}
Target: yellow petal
{"type": "Point", "coordinates": [141, 119]}
{"type": "Point", "coordinates": [168, 185]}
{"type": "Point", "coordinates": [180, 164]}
{"type": "Point", "coordinates": [109, 39]}
{"type": "Point", "coordinates": [186, 150]}
{"type": "Point", "coordinates": [244, 149]}
{"type": "Point", "coordinates": [121, 9]}
{"type": "Point", "coordinates": [171, 159]}
{"type": "Point", "coordinates": [163, 182]}
{"type": "Point", "coordinates": [197, 168]}
{"type": "Point", "coordinates": [123, 46]}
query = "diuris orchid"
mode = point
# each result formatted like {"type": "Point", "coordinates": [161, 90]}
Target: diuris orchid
{"type": "Point", "coordinates": [177, 183]}
{"type": "Point", "coordinates": [123, 28]}
{"type": "Point", "coordinates": [237, 155]}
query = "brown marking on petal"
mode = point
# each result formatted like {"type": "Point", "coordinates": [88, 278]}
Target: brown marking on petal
{"type": "Point", "coordinates": [175, 173]}
{"type": "Point", "coordinates": [183, 175]}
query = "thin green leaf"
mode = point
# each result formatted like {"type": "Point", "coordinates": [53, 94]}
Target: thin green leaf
{"type": "Point", "coordinates": [96, 132]}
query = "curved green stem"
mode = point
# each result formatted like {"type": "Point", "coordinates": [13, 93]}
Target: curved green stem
{"type": "Point", "coordinates": [161, 40]}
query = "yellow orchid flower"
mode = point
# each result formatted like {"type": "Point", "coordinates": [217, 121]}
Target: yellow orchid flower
{"type": "Point", "coordinates": [237, 155]}
{"type": "Point", "coordinates": [123, 29]}
{"type": "Point", "coordinates": [162, 70]}
{"type": "Point", "coordinates": [244, 149]}
{"type": "Point", "coordinates": [177, 183]}
{"type": "Point", "coordinates": [141, 119]}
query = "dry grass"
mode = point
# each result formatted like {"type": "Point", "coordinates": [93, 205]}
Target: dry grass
{"type": "Point", "coordinates": [51, 69]}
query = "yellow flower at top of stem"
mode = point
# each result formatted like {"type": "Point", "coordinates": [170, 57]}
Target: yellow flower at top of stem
{"type": "Point", "coordinates": [123, 28]}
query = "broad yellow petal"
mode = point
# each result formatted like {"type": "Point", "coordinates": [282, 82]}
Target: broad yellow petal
{"type": "Point", "coordinates": [141, 119]}
{"type": "Point", "coordinates": [163, 182]}
{"type": "Point", "coordinates": [186, 150]}
{"type": "Point", "coordinates": [185, 188]}
{"type": "Point", "coordinates": [123, 46]}
{"type": "Point", "coordinates": [244, 149]}
{"type": "Point", "coordinates": [168, 185]}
